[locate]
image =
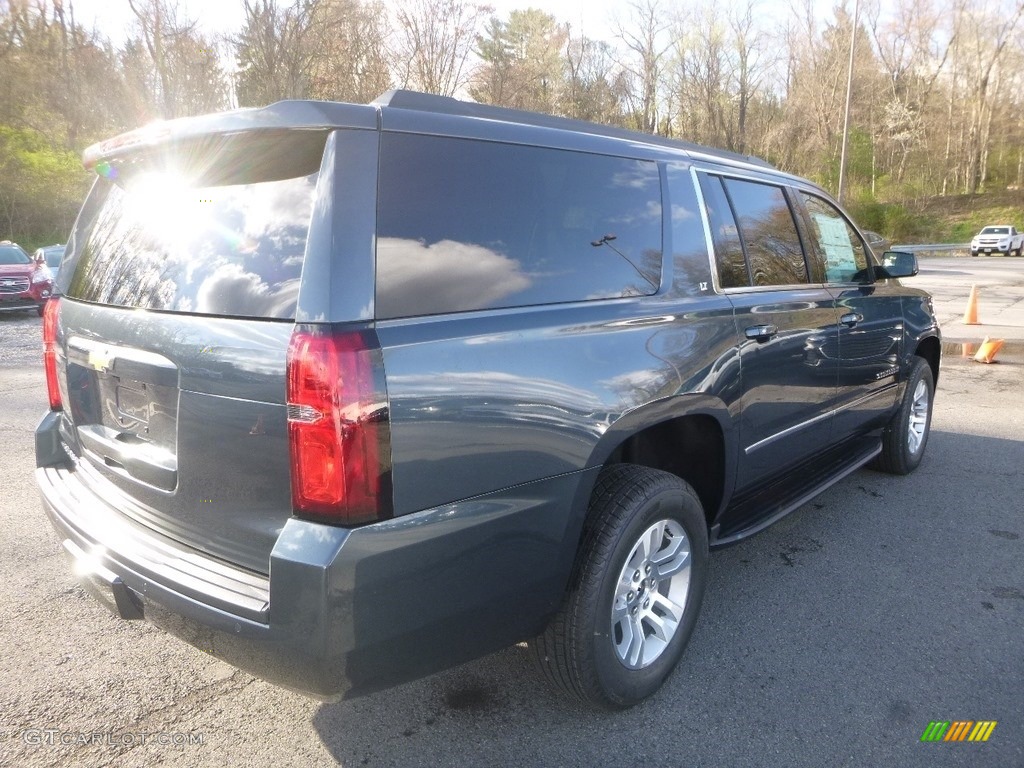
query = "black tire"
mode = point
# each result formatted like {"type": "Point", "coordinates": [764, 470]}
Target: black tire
{"type": "Point", "coordinates": [40, 309]}
{"type": "Point", "coordinates": [577, 652]}
{"type": "Point", "coordinates": [897, 456]}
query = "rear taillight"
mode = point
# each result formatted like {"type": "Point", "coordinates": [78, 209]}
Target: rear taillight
{"type": "Point", "coordinates": [50, 351]}
{"type": "Point", "coordinates": [338, 426]}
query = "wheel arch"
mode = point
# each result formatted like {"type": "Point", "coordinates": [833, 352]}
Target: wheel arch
{"type": "Point", "coordinates": [688, 436]}
{"type": "Point", "coordinates": [930, 348]}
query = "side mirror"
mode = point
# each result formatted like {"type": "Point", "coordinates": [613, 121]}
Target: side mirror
{"type": "Point", "coordinates": [899, 264]}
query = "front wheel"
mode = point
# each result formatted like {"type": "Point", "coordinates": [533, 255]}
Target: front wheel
{"type": "Point", "coordinates": [635, 592]}
{"type": "Point", "coordinates": [905, 437]}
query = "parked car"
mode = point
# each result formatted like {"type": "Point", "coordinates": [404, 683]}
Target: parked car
{"type": "Point", "coordinates": [999, 239]}
{"type": "Point", "coordinates": [51, 256]}
{"type": "Point", "coordinates": [416, 380]}
{"type": "Point", "coordinates": [24, 284]}
{"type": "Point", "coordinates": [876, 242]}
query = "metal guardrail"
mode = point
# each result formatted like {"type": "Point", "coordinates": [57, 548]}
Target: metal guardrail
{"type": "Point", "coordinates": [932, 247]}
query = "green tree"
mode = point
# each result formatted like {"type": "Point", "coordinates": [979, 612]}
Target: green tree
{"type": "Point", "coordinates": [273, 52]}
{"type": "Point", "coordinates": [523, 64]}
{"type": "Point", "coordinates": [41, 187]}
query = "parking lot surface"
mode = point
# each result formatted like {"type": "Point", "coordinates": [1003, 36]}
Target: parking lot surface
{"type": "Point", "coordinates": [833, 638]}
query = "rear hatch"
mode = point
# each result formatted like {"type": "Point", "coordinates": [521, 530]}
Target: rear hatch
{"type": "Point", "coordinates": [179, 296]}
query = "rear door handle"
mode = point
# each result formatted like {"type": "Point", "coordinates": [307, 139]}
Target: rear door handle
{"type": "Point", "coordinates": [761, 333]}
{"type": "Point", "coordinates": [850, 319]}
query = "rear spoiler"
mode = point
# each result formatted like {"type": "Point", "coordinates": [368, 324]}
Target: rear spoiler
{"type": "Point", "coordinates": [283, 114]}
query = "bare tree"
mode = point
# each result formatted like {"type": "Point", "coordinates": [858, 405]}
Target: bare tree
{"type": "Point", "coordinates": [644, 32]}
{"type": "Point", "coordinates": [434, 40]}
{"type": "Point", "coordinates": [272, 51]}
{"type": "Point", "coordinates": [752, 62]}
{"type": "Point", "coordinates": [188, 78]}
{"type": "Point", "coordinates": [347, 48]}
{"type": "Point", "coordinates": [987, 35]}
{"type": "Point", "coordinates": [590, 92]}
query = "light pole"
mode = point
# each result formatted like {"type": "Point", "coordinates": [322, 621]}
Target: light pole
{"type": "Point", "coordinates": [849, 93]}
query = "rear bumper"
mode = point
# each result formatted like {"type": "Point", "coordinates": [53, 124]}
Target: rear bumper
{"type": "Point", "coordinates": [294, 648]}
{"type": "Point", "coordinates": [342, 612]}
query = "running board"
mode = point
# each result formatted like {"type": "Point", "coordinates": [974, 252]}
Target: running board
{"type": "Point", "coordinates": [834, 468]}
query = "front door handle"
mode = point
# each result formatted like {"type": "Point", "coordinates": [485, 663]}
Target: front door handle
{"type": "Point", "coordinates": [850, 319]}
{"type": "Point", "coordinates": [761, 333]}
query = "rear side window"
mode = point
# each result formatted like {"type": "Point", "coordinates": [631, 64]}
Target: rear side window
{"type": "Point", "coordinates": [216, 227]}
{"type": "Point", "coordinates": [732, 264]}
{"type": "Point", "coordinates": [768, 231]}
{"type": "Point", "coordinates": [845, 257]}
{"type": "Point", "coordinates": [466, 225]}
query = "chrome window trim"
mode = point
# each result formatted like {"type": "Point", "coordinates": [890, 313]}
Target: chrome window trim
{"type": "Point", "coordinates": [708, 239]}
{"type": "Point", "coordinates": [782, 182]}
{"type": "Point", "coordinates": [810, 422]}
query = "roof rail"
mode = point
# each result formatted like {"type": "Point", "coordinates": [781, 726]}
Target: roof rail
{"type": "Point", "coordinates": [447, 105]}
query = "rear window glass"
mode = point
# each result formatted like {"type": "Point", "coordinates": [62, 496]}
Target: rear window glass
{"type": "Point", "coordinates": [465, 225]}
{"type": "Point", "coordinates": [220, 232]}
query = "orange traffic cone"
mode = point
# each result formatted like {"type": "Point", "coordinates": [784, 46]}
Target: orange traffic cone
{"type": "Point", "coordinates": [971, 315]}
{"type": "Point", "coordinates": [988, 351]}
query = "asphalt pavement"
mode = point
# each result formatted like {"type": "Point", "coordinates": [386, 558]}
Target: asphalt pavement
{"type": "Point", "coordinates": [1000, 283]}
{"type": "Point", "coordinates": [833, 638]}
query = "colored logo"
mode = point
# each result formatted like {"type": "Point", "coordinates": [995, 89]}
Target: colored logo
{"type": "Point", "coordinates": [959, 730]}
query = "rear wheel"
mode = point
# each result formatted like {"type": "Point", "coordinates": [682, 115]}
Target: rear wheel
{"type": "Point", "coordinates": [635, 592]}
{"type": "Point", "coordinates": [905, 438]}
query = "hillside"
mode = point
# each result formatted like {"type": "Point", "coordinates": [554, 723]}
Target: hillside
{"type": "Point", "coordinates": [950, 219]}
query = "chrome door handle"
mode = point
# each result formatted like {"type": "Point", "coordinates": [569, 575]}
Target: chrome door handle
{"type": "Point", "coordinates": [761, 333]}
{"type": "Point", "coordinates": [850, 319]}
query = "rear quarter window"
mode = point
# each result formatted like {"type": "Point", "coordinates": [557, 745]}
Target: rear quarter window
{"type": "Point", "coordinates": [467, 225]}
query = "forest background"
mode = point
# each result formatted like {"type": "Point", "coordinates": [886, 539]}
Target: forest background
{"type": "Point", "coordinates": [936, 140]}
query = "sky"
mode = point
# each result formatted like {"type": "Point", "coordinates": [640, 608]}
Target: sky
{"type": "Point", "coordinates": [113, 17]}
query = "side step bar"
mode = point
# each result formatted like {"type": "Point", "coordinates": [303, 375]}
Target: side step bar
{"type": "Point", "coordinates": [769, 504]}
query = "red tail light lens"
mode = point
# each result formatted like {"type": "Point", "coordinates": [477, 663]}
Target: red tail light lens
{"type": "Point", "coordinates": [50, 352]}
{"type": "Point", "coordinates": [338, 426]}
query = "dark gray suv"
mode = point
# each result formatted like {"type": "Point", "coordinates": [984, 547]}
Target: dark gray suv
{"type": "Point", "coordinates": [348, 394]}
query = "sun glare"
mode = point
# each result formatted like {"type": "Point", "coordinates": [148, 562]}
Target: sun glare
{"type": "Point", "coordinates": [167, 204]}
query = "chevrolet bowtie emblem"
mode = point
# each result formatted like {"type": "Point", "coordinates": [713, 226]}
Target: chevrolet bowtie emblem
{"type": "Point", "coordinates": [99, 359]}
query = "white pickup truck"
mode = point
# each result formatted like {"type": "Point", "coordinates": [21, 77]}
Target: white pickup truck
{"type": "Point", "coordinates": [998, 239]}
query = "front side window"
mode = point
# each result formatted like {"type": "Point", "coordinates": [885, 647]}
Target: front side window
{"type": "Point", "coordinates": [841, 247]}
{"type": "Point", "coordinates": [466, 225]}
{"type": "Point", "coordinates": [774, 253]}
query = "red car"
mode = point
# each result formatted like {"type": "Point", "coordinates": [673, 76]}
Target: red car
{"type": "Point", "coordinates": [24, 283]}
